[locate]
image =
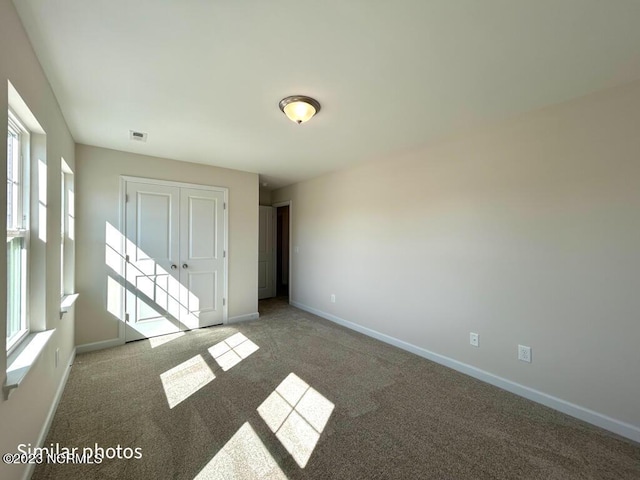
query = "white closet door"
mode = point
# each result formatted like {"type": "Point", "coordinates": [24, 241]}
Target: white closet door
{"type": "Point", "coordinates": [267, 252]}
{"type": "Point", "coordinates": [152, 246]}
{"type": "Point", "coordinates": [202, 256]}
{"type": "Point", "coordinates": [175, 259]}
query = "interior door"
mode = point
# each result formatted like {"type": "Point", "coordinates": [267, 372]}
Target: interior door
{"type": "Point", "coordinates": [152, 248]}
{"type": "Point", "coordinates": [267, 252]}
{"type": "Point", "coordinates": [202, 257]}
{"type": "Point", "coordinates": [175, 259]}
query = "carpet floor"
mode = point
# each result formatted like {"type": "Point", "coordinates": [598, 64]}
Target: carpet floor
{"type": "Point", "coordinates": [295, 396]}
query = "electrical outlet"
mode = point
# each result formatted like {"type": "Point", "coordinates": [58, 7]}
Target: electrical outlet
{"type": "Point", "coordinates": [296, 249]}
{"type": "Point", "coordinates": [474, 339]}
{"type": "Point", "coordinates": [333, 298]}
{"type": "Point", "coordinates": [524, 353]}
{"type": "Point", "coordinates": [57, 357]}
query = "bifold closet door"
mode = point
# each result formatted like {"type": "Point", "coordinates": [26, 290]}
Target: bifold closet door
{"type": "Point", "coordinates": [202, 256]}
{"type": "Point", "coordinates": [174, 259]}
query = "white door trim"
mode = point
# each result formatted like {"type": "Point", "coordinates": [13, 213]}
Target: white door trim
{"type": "Point", "coordinates": [290, 204]}
{"type": "Point", "coordinates": [121, 225]}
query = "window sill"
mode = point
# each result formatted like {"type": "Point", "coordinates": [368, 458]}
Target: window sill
{"type": "Point", "coordinates": [23, 358]}
{"type": "Point", "coordinates": [67, 302]}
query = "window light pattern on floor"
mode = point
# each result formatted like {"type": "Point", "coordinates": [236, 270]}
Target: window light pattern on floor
{"type": "Point", "coordinates": [186, 379]}
{"type": "Point", "coordinates": [243, 456]}
{"type": "Point", "coordinates": [162, 339]}
{"type": "Point", "coordinates": [297, 414]}
{"type": "Point", "coordinates": [232, 351]}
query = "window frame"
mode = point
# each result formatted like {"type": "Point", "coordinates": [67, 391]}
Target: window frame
{"type": "Point", "coordinates": [21, 228]}
{"type": "Point", "coordinates": [66, 225]}
{"type": "Point", "coordinates": [63, 217]}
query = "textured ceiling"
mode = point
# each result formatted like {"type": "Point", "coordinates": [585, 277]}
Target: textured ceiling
{"type": "Point", "coordinates": [204, 78]}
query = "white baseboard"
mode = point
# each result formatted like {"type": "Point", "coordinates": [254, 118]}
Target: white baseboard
{"type": "Point", "coordinates": [621, 428]}
{"type": "Point", "coordinates": [52, 411]}
{"type": "Point", "coordinates": [90, 347]}
{"type": "Point", "coordinates": [116, 342]}
{"type": "Point", "coordinates": [243, 318]}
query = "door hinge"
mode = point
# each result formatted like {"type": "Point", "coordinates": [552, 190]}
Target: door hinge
{"type": "Point", "coordinates": [224, 254]}
{"type": "Point", "coordinates": [224, 205]}
{"type": "Point", "coordinates": [126, 258]}
{"type": "Point", "coordinates": [224, 302]}
{"type": "Point", "coordinates": [126, 198]}
{"type": "Point", "coordinates": [126, 317]}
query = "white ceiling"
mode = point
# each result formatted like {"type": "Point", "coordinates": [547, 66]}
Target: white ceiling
{"type": "Point", "coordinates": [204, 77]}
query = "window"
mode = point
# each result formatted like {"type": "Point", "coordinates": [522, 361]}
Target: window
{"type": "Point", "coordinates": [17, 230]}
{"type": "Point", "coordinates": [63, 207]}
{"type": "Point", "coordinates": [66, 224]}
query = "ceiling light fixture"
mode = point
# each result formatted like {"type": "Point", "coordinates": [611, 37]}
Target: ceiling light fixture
{"type": "Point", "coordinates": [299, 108]}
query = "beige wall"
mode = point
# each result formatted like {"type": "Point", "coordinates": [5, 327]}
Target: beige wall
{"type": "Point", "coordinates": [526, 233]}
{"type": "Point", "coordinates": [265, 196]}
{"type": "Point", "coordinates": [99, 172]}
{"type": "Point", "coordinates": [23, 416]}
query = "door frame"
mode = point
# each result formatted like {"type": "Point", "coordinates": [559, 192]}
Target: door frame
{"type": "Point", "coordinates": [122, 220]}
{"type": "Point", "coordinates": [290, 204]}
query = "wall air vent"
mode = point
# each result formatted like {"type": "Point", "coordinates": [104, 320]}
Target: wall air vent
{"type": "Point", "coordinates": [137, 136]}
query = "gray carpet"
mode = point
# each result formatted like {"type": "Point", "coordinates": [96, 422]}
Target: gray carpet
{"type": "Point", "coordinates": [380, 412]}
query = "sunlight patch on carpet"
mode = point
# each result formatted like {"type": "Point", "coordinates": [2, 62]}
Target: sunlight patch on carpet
{"type": "Point", "coordinates": [162, 339]}
{"type": "Point", "coordinates": [297, 414]}
{"type": "Point", "coordinates": [232, 351]}
{"type": "Point", "coordinates": [186, 379]}
{"type": "Point", "coordinates": [243, 456]}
